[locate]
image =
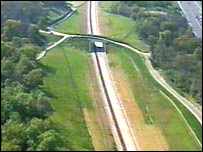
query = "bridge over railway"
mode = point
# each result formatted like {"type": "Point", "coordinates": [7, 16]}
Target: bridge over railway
{"type": "Point", "coordinates": [97, 46]}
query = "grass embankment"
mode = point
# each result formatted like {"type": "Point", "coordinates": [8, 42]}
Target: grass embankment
{"type": "Point", "coordinates": [73, 84]}
{"type": "Point", "coordinates": [147, 94]}
{"type": "Point", "coordinates": [51, 39]}
{"type": "Point", "coordinates": [54, 14]}
{"type": "Point", "coordinates": [76, 23]}
{"type": "Point", "coordinates": [75, 112]}
{"type": "Point", "coordinates": [119, 28]}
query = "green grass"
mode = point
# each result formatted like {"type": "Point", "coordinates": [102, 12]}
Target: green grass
{"type": "Point", "coordinates": [51, 39]}
{"type": "Point", "coordinates": [120, 28]}
{"type": "Point", "coordinates": [146, 93]}
{"type": "Point", "coordinates": [75, 24]}
{"type": "Point", "coordinates": [53, 15]}
{"type": "Point", "coordinates": [69, 66]}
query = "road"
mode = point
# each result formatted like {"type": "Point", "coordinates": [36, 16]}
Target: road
{"type": "Point", "coordinates": [191, 9]}
{"type": "Point", "coordinates": [63, 19]}
{"type": "Point", "coordinates": [191, 107]}
{"type": "Point", "coordinates": [65, 36]}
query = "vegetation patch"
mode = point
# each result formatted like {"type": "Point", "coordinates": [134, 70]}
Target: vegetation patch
{"type": "Point", "coordinates": [25, 105]}
{"type": "Point", "coordinates": [75, 111]}
{"type": "Point", "coordinates": [147, 94]}
{"type": "Point", "coordinates": [120, 28]}
{"type": "Point", "coordinates": [173, 46]}
{"type": "Point", "coordinates": [75, 24]}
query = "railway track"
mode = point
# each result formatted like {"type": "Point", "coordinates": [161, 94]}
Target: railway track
{"type": "Point", "coordinates": [118, 130]}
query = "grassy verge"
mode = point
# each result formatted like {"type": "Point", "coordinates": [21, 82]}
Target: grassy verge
{"type": "Point", "coordinates": [53, 15]}
{"type": "Point", "coordinates": [66, 104]}
{"type": "Point", "coordinates": [147, 94]}
{"type": "Point", "coordinates": [193, 100]}
{"type": "Point", "coordinates": [75, 112]}
{"type": "Point", "coordinates": [51, 39]}
{"type": "Point", "coordinates": [119, 28]}
{"type": "Point", "coordinates": [76, 23]}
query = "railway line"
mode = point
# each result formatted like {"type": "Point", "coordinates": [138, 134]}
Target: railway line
{"type": "Point", "coordinates": [104, 86]}
{"type": "Point", "coordinates": [123, 132]}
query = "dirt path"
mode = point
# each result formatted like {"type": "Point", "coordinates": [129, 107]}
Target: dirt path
{"type": "Point", "coordinates": [65, 36]}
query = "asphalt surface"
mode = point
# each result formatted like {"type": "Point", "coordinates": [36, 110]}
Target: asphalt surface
{"type": "Point", "coordinates": [191, 10]}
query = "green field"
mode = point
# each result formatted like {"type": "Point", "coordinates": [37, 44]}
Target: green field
{"type": "Point", "coordinates": [75, 24]}
{"type": "Point", "coordinates": [147, 94]}
{"type": "Point", "coordinates": [68, 83]}
{"type": "Point", "coordinates": [69, 69]}
{"type": "Point", "coordinates": [120, 28]}
{"type": "Point", "coordinates": [76, 111]}
{"type": "Point", "coordinates": [51, 39]}
{"type": "Point", "coordinates": [53, 15]}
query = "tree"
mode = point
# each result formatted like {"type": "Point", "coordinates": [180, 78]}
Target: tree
{"type": "Point", "coordinates": [6, 49]}
{"type": "Point", "coordinates": [8, 146]}
{"type": "Point", "coordinates": [43, 23]}
{"type": "Point", "coordinates": [24, 66]}
{"type": "Point", "coordinates": [186, 44]}
{"type": "Point", "coordinates": [198, 53]}
{"type": "Point", "coordinates": [34, 78]}
{"type": "Point", "coordinates": [34, 35]}
{"type": "Point", "coordinates": [7, 68]}
{"type": "Point", "coordinates": [166, 36]}
{"type": "Point", "coordinates": [13, 28]}
{"type": "Point", "coordinates": [35, 128]}
{"type": "Point", "coordinates": [159, 53]}
{"type": "Point", "coordinates": [49, 141]}
{"type": "Point", "coordinates": [30, 51]}
{"type": "Point", "coordinates": [19, 42]}
{"type": "Point", "coordinates": [124, 10]}
{"type": "Point", "coordinates": [25, 108]}
{"type": "Point", "coordinates": [13, 135]}
{"type": "Point", "coordinates": [40, 135]}
{"type": "Point", "coordinates": [152, 40]}
{"type": "Point", "coordinates": [168, 26]}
